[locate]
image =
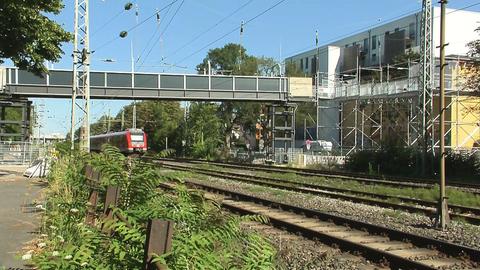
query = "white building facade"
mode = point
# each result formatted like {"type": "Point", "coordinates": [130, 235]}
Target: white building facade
{"type": "Point", "coordinates": [380, 45]}
{"type": "Point", "coordinates": [360, 104]}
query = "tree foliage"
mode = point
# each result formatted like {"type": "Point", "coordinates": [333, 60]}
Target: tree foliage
{"type": "Point", "coordinates": [234, 59]}
{"type": "Point", "coordinates": [471, 72]}
{"type": "Point", "coordinates": [292, 70]}
{"type": "Point", "coordinates": [203, 129]}
{"type": "Point", "coordinates": [27, 36]}
{"type": "Point", "coordinates": [159, 119]}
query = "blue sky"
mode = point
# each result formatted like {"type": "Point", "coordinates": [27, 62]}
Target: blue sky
{"type": "Point", "coordinates": [287, 29]}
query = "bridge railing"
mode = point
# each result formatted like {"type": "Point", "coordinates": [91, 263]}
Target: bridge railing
{"type": "Point", "coordinates": [147, 84]}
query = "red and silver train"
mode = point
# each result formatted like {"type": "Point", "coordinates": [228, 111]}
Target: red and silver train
{"type": "Point", "coordinates": [128, 141]}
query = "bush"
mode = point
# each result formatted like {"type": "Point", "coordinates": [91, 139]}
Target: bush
{"type": "Point", "coordinates": [403, 161]}
{"type": "Point", "coordinates": [204, 237]}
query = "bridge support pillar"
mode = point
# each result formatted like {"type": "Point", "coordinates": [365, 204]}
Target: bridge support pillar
{"type": "Point", "coordinates": [281, 119]}
{"type": "Point", "coordinates": [15, 119]}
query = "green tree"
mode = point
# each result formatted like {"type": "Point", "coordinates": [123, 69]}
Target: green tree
{"type": "Point", "coordinates": [292, 70]}
{"type": "Point", "coordinates": [234, 59]}
{"type": "Point", "coordinates": [159, 119]}
{"type": "Point", "coordinates": [231, 59]}
{"type": "Point", "coordinates": [402, 61]}
{"type": "Point", "coordinates": [305, 114]}
{"type": "Point", "coordinates": [204, 128]}
{"type": "Point", "coordinates": [471, 72]}
{"type": "Point", "coordinates": [27, 36]}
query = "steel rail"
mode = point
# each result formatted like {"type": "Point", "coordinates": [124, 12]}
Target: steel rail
{"type": "Point", "coordinates": [360, 177]}
{"type": "Point", "coordinates": [396, 262]}
{"type": "Point", "coordinates": [315, 190]}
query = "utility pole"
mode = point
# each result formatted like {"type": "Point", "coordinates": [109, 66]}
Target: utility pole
{"type": "Point", "coordinates": [425, 127]}
{"type": "Point", "coordinates": [122, 125]}
{"type": "Point", "coordinates": [317, 85]}
{"type": "Point", "coordinates": [132, 55]}
{"type": "Point", "coordinates": [304, 130]}
{"type": "Point", "coordinates": [241, 42]}
{"type": "Point", "coordinates": [108, 121]}
{"type": "Point", "coordinates": [442, 210]}
{"type": "Point", "coordinates": [81, 75]}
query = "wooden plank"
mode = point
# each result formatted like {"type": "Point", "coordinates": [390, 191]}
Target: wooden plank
{"type": "Point", "coordinates": [93, 178]}
{"type": "Point", "coordinates": [158, 241]}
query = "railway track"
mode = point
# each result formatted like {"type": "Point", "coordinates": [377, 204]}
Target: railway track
{"type": "Point", "coordinates": [362, 178]}
{"type": "Point", "coordinates": [289, 240]}
{"type": "Point", "coordinates": [469, 214]}
{"type": "Point", "coordinates": [398, 250]}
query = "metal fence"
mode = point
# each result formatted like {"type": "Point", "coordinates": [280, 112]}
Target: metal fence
{"type": "Point", "coordinates": [290, 156]}
{"type": "Point", "coordinates": [21, 153]}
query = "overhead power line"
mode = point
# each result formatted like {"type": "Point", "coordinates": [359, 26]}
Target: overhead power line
{"type": "Point", "coordinates": [107, 23]}
{"type": "Point", "coordinates": [163, 32]}
{"type": "Point", "coordinates": [232, 31]}
{"type": "Point", "coordinates": [210, 28]}
{"type": "Point", "coordinates": [311, 47]}
{"type": "Point", "coordinates": [135, 26]}
{"type": "Point", "coordinates": [159, 24]}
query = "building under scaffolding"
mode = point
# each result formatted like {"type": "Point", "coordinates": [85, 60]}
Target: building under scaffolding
{"type": "Point", "coordinates": [366, 116]}
{"type": "Point", "coordinates": [367, 96]}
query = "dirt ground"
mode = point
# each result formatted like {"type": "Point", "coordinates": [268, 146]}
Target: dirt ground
{"type": "Point", "coordinates": [19, 217]}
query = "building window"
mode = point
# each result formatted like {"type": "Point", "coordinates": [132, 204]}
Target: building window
{"type": "Point", "coordinates": [411, 31]}
{"type": "Point", "coordinates": [365, 45]}
{"type": "Point", "coordinates": [301, 64]}
{"type": "Point", "coordinates": [346, 45]}
{"type": "Point", "coordinates": [374, 42]}
{"type": "Point", "coordinates": [306, 63]}
{"type": "Point", "coordinates": [313, 66]}
{"type": "Point", "coordinates": [387, 33]}
{"type": "Point", "coordinates": [397, 29]}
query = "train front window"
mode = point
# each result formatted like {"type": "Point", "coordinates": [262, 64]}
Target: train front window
{"type": "Point", "coordinates": [137, 137]}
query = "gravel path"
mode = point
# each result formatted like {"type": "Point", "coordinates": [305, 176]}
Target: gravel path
{"type": "Point", "coordinates": [459, 233]}
{"type": "Point", "coordinates": [18, 217]}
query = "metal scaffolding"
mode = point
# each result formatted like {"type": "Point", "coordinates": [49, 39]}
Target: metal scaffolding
{"type": "Point", "coordinates": [402, 110]}
{"type": "Point", "coordinates": [370, 115]}
{"type": "Point", "coordinates": [81, 76]}
{"type": "Point", "coordinates": [423, 120]}
{"type": "Point", "coordinates": [281, 121]}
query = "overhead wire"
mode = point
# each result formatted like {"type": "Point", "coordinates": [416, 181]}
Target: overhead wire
{"type": "Point", "coordinates": [210, 28]}
{"type": "Point", "coordinates": [358, 31]}
{"type": "Point", "coordinates": [230, 32]}
{"type": "Point", "coordinates": [135, 26]}
{"type": "Point", "coordinates": [107, 23]}
{"type": "Point", "coordinates": [325, 50]}
{"type": "Point", "coordinates": [157, 29]}
{"type": "Point", "coordinates": [163, 32]}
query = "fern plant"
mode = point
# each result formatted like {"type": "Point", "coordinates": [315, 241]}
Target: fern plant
{"type": "Point", "coordinates": [205, 237]}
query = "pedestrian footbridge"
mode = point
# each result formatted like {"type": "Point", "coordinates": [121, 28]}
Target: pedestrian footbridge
{"type": "Point", "coordinates": [161, 86]}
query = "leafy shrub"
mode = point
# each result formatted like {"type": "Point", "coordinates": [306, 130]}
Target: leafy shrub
{"type": "Point", "coordinates": [402, 161]}
{"type": "Point", "coordinates": [204, 236]}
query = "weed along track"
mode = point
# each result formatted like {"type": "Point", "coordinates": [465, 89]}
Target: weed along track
{"type": "Point", "coordinates": [468, 214]}
{"type": "Point", "coordinates": [393, 248]}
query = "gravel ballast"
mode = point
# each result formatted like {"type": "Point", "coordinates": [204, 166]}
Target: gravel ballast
{"type": "Point", "coordinates": [457, 232]}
